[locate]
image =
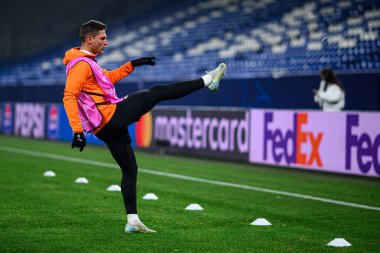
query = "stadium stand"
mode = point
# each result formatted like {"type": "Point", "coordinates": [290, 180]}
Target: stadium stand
{"type": "Point", "coordinates": [261, 38]}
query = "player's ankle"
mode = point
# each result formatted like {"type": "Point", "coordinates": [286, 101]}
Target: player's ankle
{"type": "Point", "coordinates": [133, 219]}
{"type": "Point", "coordinates": [207, 79]}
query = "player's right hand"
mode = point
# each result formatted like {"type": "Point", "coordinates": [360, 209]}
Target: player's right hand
{"type": "Point", "coordinates": [79, 141]}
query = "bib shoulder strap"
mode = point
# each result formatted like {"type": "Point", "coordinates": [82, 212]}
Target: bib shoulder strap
{"type": "Point", "coordinates": [76, 60]}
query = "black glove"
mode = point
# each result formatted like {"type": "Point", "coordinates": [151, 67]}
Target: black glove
{"type": "Point", "coordinates": [79, 141]}
{"type": "Point", "coordinates": [144, 61]}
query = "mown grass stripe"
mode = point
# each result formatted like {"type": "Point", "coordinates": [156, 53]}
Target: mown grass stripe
{"type": "Point", "coordinates": [188, 178]}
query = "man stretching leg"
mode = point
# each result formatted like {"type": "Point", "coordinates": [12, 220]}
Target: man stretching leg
{"type": "Point", "coordinates": [91, 104]}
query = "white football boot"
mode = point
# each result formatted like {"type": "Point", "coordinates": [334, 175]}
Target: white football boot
{"type": "Point", "coordinates": [138, 228]}
{"type": "Point", "coordinates": [217, 74]}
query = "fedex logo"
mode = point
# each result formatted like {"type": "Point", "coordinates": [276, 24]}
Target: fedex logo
{"type": "Point", "coordinates": [366, 147]}
{"type": "Point", "coordinates": [288, 145]}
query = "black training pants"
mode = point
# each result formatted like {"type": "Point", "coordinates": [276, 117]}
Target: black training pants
{"type": "Point", "coordinates": [115, 132]}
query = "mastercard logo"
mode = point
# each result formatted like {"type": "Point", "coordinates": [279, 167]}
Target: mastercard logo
{"type": "Point", "coordinates": [144, 131]}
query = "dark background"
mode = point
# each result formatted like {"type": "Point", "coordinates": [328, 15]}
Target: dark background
{"type": "Point", "coordinates": [32, 27]}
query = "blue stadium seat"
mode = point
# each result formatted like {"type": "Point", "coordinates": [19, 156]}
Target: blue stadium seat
{"type": "Point", "coordinates": [256, 39]}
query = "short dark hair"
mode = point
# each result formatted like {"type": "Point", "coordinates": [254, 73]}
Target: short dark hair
{"type": "Point", "coordinates": [92, 28]}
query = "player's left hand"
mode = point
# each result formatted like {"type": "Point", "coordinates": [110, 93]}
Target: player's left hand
{"type": "Point", "coordinates": [79, 141]}
{"type": "Point", "coordinates": [144, 61]}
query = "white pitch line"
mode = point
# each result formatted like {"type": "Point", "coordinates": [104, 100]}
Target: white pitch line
{"type": "Point", "coordinates": [188, 178]}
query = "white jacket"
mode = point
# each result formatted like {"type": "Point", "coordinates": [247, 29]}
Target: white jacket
{"type": "Point", "coordinates": [330, 100]}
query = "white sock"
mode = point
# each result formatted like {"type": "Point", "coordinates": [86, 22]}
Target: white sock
{"type": "Point", "coordinates": [133, 219]}
{"type": "Point", "coordinates": [207, 79]}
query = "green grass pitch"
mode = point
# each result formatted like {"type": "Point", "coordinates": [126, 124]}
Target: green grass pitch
{"type": "Point", "coordinates": [39, 214]}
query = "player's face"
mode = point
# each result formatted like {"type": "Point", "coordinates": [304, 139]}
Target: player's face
{"type": "Point", "coordinates": [99, 42]}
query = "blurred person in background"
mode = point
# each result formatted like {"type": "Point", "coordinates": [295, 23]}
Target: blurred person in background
{"type": "Point", "coordinates": [330, 95]}
{"type": "Point", "coordinates": [91, 105]}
